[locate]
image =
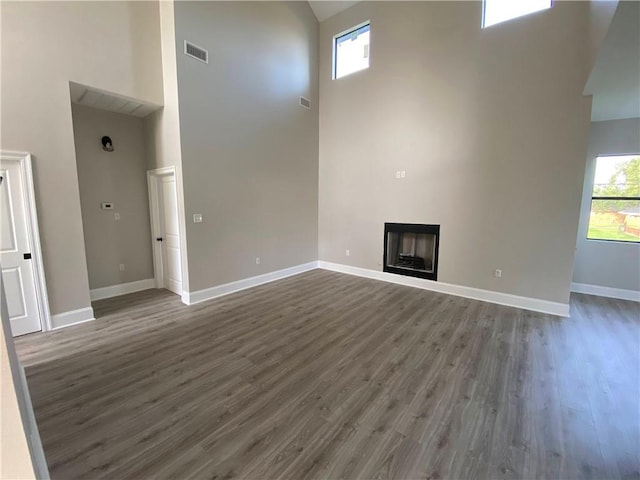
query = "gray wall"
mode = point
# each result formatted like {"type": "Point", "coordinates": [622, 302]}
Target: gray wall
{"type": "Point", "coordinates": [112, 46]}
{"type": "Point", "coordinates": [490, 126]}
{"type": "Point", "coordinates": [607, 264]}
{"type": "Point", "coordinates": [162, 139]}
{"type": "Point", "coordinates": [119, 177]}
{"type": "Point", "coordinates": [249, 151]}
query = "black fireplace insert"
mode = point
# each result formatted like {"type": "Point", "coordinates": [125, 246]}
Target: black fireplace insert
{"type": "Point", "coordinates": [411, 249]}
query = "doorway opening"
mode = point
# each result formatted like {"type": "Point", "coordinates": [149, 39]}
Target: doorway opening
{"type": "Point", "coordinates": [113, 157]}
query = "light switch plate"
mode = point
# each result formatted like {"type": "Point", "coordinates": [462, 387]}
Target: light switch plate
{"type": "Point", "coordinates": [197, 218]}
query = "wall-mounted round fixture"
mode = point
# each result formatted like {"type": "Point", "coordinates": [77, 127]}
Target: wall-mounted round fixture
{"type": "Point", "coordinates": [107, 144]}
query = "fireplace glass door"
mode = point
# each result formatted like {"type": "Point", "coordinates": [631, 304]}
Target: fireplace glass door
{"type": "Point", "coordinates": [411, 249]}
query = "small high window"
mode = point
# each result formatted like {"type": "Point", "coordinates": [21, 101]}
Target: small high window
{"type": "Point", "coordinates": [351, 51]}
{"type": "Point", "coordinates": [615, 202]}
{"type": "Point", "coordinates": [497, 11]}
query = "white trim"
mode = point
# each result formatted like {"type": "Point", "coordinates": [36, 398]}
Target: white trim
{"type": "Point", "coordinates": [182, 220]}
{"type": "Point", "coordinates": [610, 292]}
{"type": "Point", "coordinates": [33, 233]}
{"type": "Point", "coordinates": [191, 298]}
{"type": "Point", "coordinates": [121, 289]}
{"type": "Point", "coordinates": [186, 298]}
{"type": "Point", "coordinates": [152, 177]}
{"type": "Point", "coordinates": [72, 317]}
{"type": "Point", "coordinates": [527, 303]}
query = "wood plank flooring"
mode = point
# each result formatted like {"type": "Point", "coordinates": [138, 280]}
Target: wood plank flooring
{"type": "Point", "coordinates": [325, 375]}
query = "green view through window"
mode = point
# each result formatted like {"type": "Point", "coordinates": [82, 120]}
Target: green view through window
{"type": "Point", "coordinates": [615, 202]}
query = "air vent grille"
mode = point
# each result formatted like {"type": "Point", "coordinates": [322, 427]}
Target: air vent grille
{"type": "Point", "coordinates": [305, 102]}
{"type": "Point", "coordinates": [196, 52]}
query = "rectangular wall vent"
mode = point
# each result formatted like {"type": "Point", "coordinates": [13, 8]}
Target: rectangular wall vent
{"type": "Point", "coordinates": [305, 102]}
{"type": "Point", "coordinates": [196, 52]}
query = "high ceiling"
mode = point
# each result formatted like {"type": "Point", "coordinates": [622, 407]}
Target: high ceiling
{"type": "Point", "coordinates": [615, 79]}
{"type": "Point", "coordinates": [328, 8]}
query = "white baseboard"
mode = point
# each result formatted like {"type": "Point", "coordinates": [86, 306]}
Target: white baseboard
{"type": "Point", "coordinates": [73, 317]}
{"type": "Point", "coordinates": [620, 293]}
{"type": "Point", "coordinates": [121, 289]}
{"type": "Point", "coordinates": [526, 303]}
{"type": "Point", "coordinates": [198, 296]}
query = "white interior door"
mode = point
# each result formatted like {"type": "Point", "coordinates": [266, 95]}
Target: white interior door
{"type": "Point", "coordinates": [167, 232]}
{"type": "Point", "coordinates": [15, 251]}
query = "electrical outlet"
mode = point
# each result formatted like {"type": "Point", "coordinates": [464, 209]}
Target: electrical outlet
{"type": "Point", "coordinates": [121, 267]}
{"type": "Point", "coordinates": [403, 174]}
{"type": "Point", "coordinates": [197, 218]}
{"type": "Point", "coordinates": [116, 216]}
{"type": "Point", "coordinates": [497, 273]}
{"type": "Point", "coordinates": [347, 253]}
{"type": "Point", "coordinates": [398, 174]}
{"type": "Point", "coordinates": [257, 260]}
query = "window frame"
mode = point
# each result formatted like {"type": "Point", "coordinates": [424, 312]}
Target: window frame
{"type": "Point", "coordinates": [484, 9]}
{"type": "Point", "coordinates": [338, 36]}
{"type": "Point", "coordinates": [600, 197]}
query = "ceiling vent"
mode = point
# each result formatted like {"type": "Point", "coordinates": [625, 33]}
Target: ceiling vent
{"type": "Point", "coordinates": [196, 52]}
{"type": "Point", "coordinates": [305, 102]}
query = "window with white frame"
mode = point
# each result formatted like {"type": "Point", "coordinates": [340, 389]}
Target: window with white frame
{"type": "Point", "coordinates": [615, 199]}
{"type": "Point", "coordinates": [498, 11]}
{"type": "Point", "coordinates": [351, 51]}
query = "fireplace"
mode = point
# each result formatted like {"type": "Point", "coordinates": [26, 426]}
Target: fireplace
{"type": "Point", "coordinates": [411, 249]}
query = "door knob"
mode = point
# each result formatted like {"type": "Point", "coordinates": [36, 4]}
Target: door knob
{"type": "Point", "coordinates": [159, 239]}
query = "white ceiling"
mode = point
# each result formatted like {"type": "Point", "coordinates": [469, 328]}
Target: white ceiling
{"type": "Point", "coordinates": [615, 79]}
{"type": "Point", "coordinates": [328, 8]}
{"type": "Point", "coordinates": [92, 97]}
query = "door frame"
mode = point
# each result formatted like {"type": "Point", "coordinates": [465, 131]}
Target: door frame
{"type": "Point", "coordinates": [33, 234]}
{"type": "Point", "coordinates": [154, 211]}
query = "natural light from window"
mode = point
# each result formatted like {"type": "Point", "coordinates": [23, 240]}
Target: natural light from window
{"type": "Point", "coordinates": [615, 202]}
{"type": "Point", "coordinates": [351, 51]}
{"type": "Point", "coordinates": [497, 11]}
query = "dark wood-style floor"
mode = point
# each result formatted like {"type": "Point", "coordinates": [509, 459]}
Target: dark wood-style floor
{"type": "Point", "coordinates": [325, 375]}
